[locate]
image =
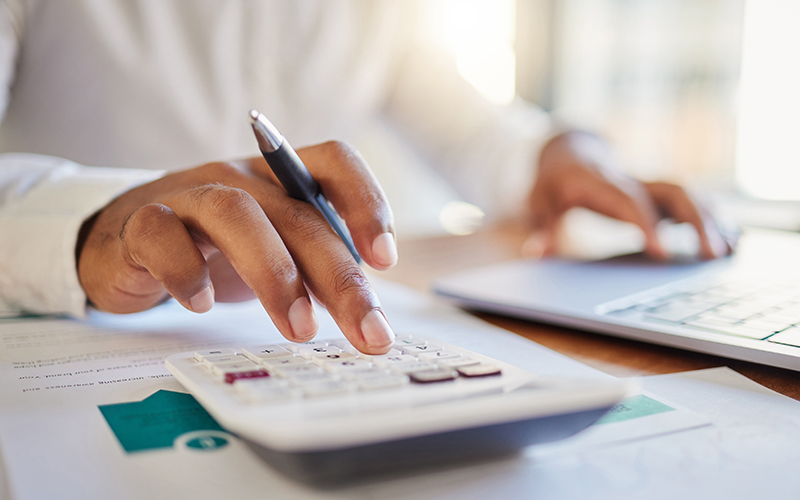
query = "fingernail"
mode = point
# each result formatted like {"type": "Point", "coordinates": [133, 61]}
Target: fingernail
{"type": "Point", "coordinates": [302, 319]}
{"type": "Point", "coordinates": [718, 245]}
{"type": "Point", "coordinates": [534, 246]}
{"type": "Point", "coordinates": [384, 250]}
{"type": "Point", "coordinates": [203, 301]}
{"type": "Point", "coordinates": [376, 330]}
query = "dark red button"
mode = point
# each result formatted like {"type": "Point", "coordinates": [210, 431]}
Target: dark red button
{"type": "Point", "coordinates": [233, 377]}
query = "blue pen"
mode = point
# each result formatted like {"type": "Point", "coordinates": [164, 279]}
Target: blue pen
{"type": "Point", "coordinates": [294, 176]}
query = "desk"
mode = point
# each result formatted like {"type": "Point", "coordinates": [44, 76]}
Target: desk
{"type": "Point", "coordinates": [422, 260]}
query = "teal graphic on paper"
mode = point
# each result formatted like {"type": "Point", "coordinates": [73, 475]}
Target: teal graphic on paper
{"type": "Point", "coordinates": [157, 420]}
{"type": "Point", "coordinates": [634, 407]}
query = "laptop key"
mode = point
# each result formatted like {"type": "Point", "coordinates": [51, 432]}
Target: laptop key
{"type": "Point", "coordinates": [787, 337]}
{"type": "Point", "coordinates": [738, 330]}
{"type": "Point", "coordinates": [678, 311]}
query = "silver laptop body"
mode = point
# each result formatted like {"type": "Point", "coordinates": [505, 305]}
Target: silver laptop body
{"type": "Point", "coordinates": [746, 306]}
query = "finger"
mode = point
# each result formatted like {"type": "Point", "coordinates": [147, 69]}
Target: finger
{"type": "Point", "coordinates": [677, 203]}
{"type": "Point", "coordinates": [163, 256]}
{"type": "Point", "coordinates": [234, 222]}
{"type": "Point", "coordinates": [541, 243]}
{"type": "Point", "coordinates": [348, 183]}
{"type": "Point", "coordinates": [543, 240]}
{"type": "Point", "coordinates": [730, 233]}
{"type": "Point", "coordinates": [228, 285]}
{"type": "Point", "coordinates": [331, 274]}
{"type": "Point", "coordinates": [325, 264]}
{"type": "Point", "coordinates": [609, 199]}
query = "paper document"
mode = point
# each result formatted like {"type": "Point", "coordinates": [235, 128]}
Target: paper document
{"type": "Point", "coordinates": [72, 393]}
{"type": "Point", "coordinates": [74, 396]}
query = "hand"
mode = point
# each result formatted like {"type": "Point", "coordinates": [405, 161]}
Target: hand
{"type": "Point", "coordinates": [229, 232]}
{"type": "Point", "coordinates": [577, 169]}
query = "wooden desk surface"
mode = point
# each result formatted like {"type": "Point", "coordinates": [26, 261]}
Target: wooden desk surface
{"type": "Point", "coordinates": [422, 260]}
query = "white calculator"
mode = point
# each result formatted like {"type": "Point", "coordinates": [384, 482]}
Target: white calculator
{"type": "Point", "coordinates": [323, 411]}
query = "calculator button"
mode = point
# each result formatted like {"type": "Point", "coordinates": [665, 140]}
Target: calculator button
{"type": "Point", "coordinates": [287, 370]}
{"type": "Point", "coordinates": [413, 350]}
{"type": "Point", "coordinates": [200, 355]}
{"type": "Point", "coordinates": [344, 345]}
{"type": "Point", "coordinates": [261, 352]}
{"type": "Point", "coordinates": [220, 369]}
{"type": "Point", "coordinates": [347, 365]}
{"type": "Point", "coordinates": [233, 377]}
{"type": "Point", "coordinates": [303, 378]}
{"type": "Point", "coordinates": [392, 352]}
{"type": "Point", "coordinates": [296, 347]}
{"type": "Point", "coordinates": [279, 362]}
{"type": "Point", "coordinates": [210, 361]}
{"type": "Point", "coordinates": [265, 394]}
{"type": "Point", "coordinates": [388, 361]}
{"type": "Point", "coordinates": [481, 370]}
{"type": "Point", "coordinates": [382, 381]}
{"type": "Point", "coordinates": [310, 352]}
{"type": "Point", "coordinates": [330, 388]}
{"type": "Point", "coordinates": [408, 341]}
{"type": "Point", "coordinates": [250, 384]}
{"type": "Point", "coordinates": [431, 376]}
{"type": "Point", "coordinates": [437, 355]}
{"type": "Point", "coordinates": [412, 366]}
{"type": "Point", "coordinates": [456, 362]}
{"type": "Point", "coordinates": [324, 359]}
{"type": "Point", "coordinates": [364, 373]}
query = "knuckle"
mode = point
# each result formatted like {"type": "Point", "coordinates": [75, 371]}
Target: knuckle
{"type": "Point", "coordinates": [218, 171]}
{"type": "Point", "coordinates": [338, 149]}
{"type": "Point", "coordinates": [344, 156]}
{"type": "Point", "coordinates": [284, 270]}
{"type": "Point", "coordinates": [223, 201]}
{"type": "Point", "coordinates": [674, 190]}
{"type": "Point", "coordinates": [670, 191]}
{"type": "Point", "coordinates": [348, 279]}
{"type": "Point", "coordinates": [301, 220]}
{"type": "Point", "coordinates": [144, 220]}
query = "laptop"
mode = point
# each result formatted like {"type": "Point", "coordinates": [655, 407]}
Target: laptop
{"type": "Point", "coordinates": [746, 306]}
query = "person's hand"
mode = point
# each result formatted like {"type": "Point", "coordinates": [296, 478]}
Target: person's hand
{"type": "Point", "coordinates": [229, 232]}
{"type": "Point", "coordinates": [578, 169]}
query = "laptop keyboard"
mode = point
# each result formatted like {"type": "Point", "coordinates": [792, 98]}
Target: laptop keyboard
{"type": "Point", "coordinates": [769, 312]}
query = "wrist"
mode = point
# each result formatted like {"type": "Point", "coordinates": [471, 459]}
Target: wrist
{"type": "Point", "coordinates": [83, 235]}
{"type": "Point", "coordinates": [577, 147]}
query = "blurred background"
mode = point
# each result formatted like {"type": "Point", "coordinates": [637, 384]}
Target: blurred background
{"type": "Point", "coordinates": [702, 92]}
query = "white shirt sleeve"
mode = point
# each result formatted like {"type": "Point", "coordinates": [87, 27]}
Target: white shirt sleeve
{"type": "Point", "coordinates": [488, 153]}
{"type": "Point", "coordinates": [43, 203]}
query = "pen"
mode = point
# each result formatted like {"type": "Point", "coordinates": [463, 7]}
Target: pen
{"type": "Point", "coordinates": [294, 176]}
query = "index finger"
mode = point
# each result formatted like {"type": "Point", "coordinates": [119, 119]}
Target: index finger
{"type": "Point", "coordinates": [348, 183]}
{"type": "Point", "coordinates": [611, 200]}
{"type": "Point", "coordinates": [325, 264]}
{"type": "Point", "coordinates": [330, 272]}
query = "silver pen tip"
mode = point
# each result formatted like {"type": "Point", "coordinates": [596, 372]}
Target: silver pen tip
{"type": "Point", "coordinates": [268, 137]}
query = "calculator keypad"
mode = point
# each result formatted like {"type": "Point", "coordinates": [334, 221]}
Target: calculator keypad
{"type": "Point", "coordinates": [321, 368]}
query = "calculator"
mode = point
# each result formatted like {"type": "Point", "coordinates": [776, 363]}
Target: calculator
{"type": "Point", "coordinates": [322, 411]}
